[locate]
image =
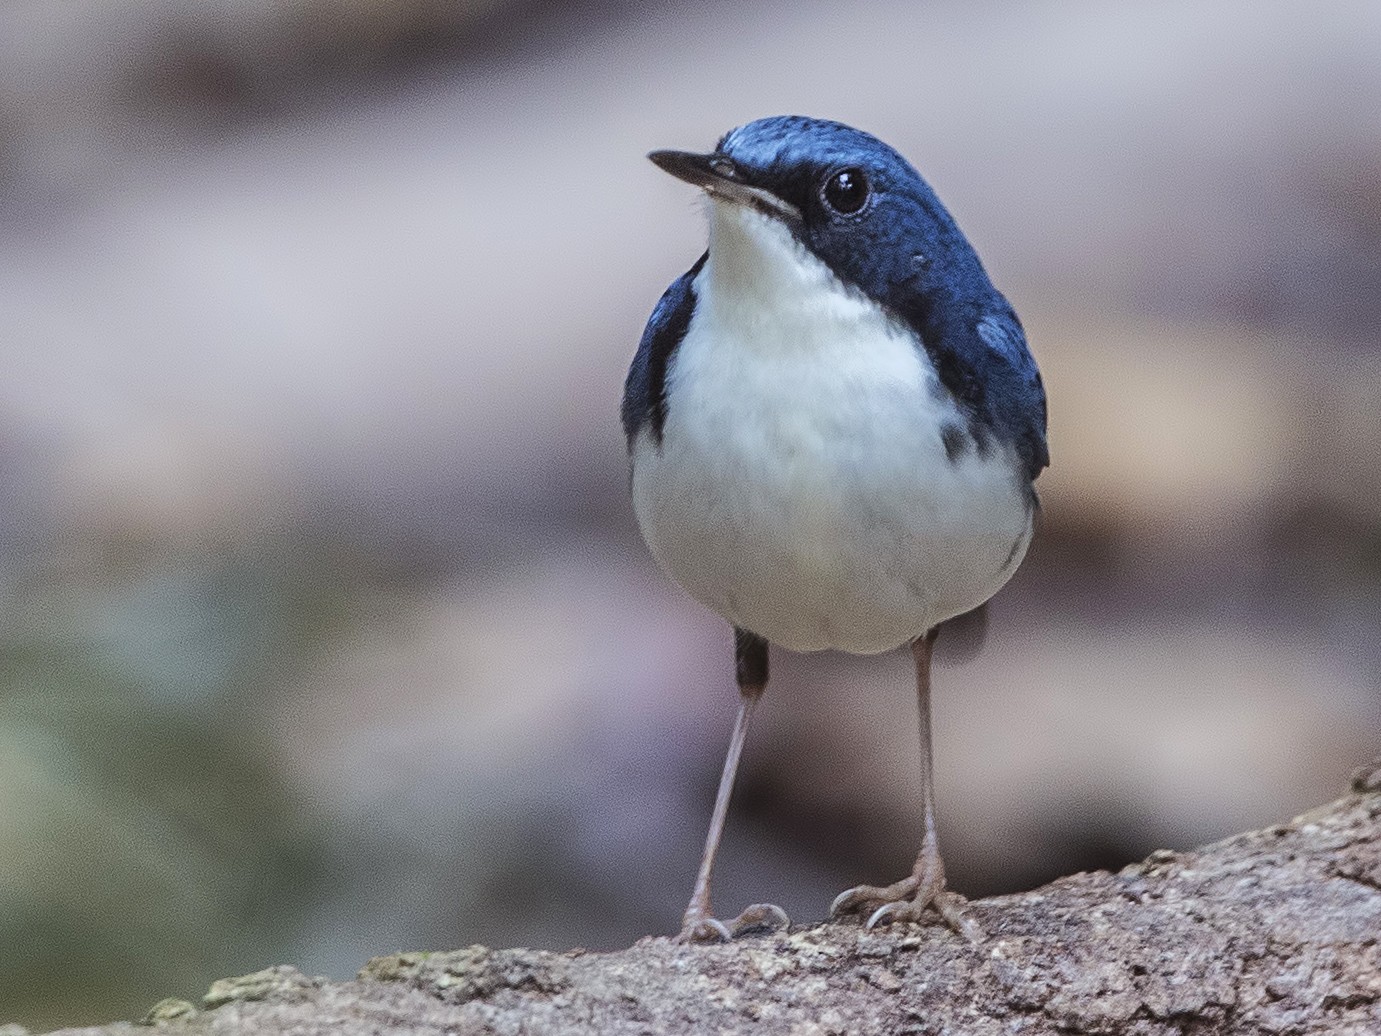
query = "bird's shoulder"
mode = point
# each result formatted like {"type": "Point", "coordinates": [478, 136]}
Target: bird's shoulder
{"type": "Point", "coordinates": [982, 358]}
{"type": "Point", "coordinates": [644, 390]}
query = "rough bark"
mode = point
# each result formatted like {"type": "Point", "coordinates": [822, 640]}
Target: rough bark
{"type": "Point", "coordinates": [1274, 931]}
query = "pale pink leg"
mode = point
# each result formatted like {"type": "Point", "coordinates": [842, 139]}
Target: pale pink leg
{"type": "Point", "coordinates": [924, 889]}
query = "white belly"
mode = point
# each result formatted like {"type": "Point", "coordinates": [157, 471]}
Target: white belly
{"type": "Point", "coordinates": [802, 488]}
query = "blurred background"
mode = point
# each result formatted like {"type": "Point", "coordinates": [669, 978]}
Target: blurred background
{"type": "Point", "coordinates": [325, 628]}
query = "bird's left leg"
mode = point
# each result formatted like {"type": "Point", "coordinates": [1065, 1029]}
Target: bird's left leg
{"type": "Point", "coordinates": [699, 923]}
{"type": "Point", "coordinates": [924, 889]}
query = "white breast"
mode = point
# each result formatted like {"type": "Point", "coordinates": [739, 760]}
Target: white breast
{"type": "Point", "coordinates": [802, 488]}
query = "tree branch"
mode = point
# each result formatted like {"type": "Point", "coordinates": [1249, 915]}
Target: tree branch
{"type": "Point", "coordinates": [1274, 931]}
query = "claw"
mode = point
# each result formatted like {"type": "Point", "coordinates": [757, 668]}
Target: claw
{"type": "Point", "coordinates": [705, 930]}
{"type": "Point", "coordinates": [886, 912]}
{"type": "Point", "coordinates": [950, 906]}
{"type": "Point", "coordinates": [760, 917]}
{"type": "Point", "coordinates": [851, 900]}
{"type": "Point", "coordinates": [911, 899]}
{"type": "Point", "coordinates": [843, 903]}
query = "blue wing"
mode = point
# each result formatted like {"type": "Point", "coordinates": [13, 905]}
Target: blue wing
{"type": "Point", "coordinates": [980, 354]}
{"type": "Point", "coordinates": [1018, 392]}
{"type": "Point", "coordinates": [644, 391]}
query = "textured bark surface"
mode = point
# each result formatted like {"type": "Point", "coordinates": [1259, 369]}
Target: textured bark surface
{"type": "Point", "coordinates": [1275, 932]}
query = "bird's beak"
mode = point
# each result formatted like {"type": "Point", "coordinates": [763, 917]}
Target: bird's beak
{"type": "Point", "coordinates": [719, 177]}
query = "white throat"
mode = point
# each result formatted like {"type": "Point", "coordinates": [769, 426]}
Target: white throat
{"type": "Point", "coordinates": [761, 279]}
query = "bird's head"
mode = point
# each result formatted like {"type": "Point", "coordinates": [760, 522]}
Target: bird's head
{"type": "Point", "coordinates": [848, 198]}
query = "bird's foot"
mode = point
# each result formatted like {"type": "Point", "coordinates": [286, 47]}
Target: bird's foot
{"type": "Point", "coordinates": [910, 899]}
{"type": "Point", "coordinates": [760, 917]}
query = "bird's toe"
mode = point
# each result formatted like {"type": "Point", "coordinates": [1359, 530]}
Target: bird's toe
{"type": "Point", "coordinates": [909, 900]}
{"type": "Point", "coordinates": [902, 910]}
{"type": "Point", "coordinates": [863, 898]}
{"type": "Point", "coordinates": [756, 919]}
{"type": "Point", "coordinates": [760, 917]}
{"type": "Point", "coordinates": [704, 930]}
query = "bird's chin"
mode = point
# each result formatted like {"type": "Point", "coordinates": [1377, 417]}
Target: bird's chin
{"type": "Point", "coordinates": [754, 198]}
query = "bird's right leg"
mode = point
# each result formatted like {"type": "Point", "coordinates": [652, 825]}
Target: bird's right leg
{"type": "Point", "coordinates": [699, 924]}
{"type": "Point", "coordinates": [924, 890]}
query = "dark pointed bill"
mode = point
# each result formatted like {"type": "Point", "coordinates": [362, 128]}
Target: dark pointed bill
{"type": "Point", "coordinates": [717, 175]}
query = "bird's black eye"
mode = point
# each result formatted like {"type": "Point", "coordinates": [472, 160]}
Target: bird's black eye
{"type": "Point", "coordinates": [846, 191]}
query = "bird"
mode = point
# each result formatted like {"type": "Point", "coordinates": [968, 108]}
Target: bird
{"type": "Point", "coordinates": [834, 426]}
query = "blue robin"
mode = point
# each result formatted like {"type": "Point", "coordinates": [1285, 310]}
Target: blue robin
{"type": "Point", "coordinates": [834, 425]}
